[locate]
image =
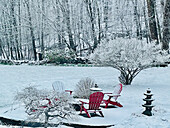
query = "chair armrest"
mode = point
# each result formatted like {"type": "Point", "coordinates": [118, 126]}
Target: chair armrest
{"type": "Point", "coordinates": [83, 102]}
{"type": "Point", "coordinates": [69, 91]}
{"type": "Point", "coordinates": [114, 95]}
{"type": "Point", "coordinates": [107, 93]}
{"type": "Point", "coordinates": [49, 101]}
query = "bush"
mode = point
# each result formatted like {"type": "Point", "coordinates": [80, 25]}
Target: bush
{"type": "Point", "coordinates": [46, 105]}
{"type": "Point", "coordinates": [60, 58]}
{"type": "Point", "coordinates": [83, 88]}
{"type": "Point", "coordinates": [6, 62]}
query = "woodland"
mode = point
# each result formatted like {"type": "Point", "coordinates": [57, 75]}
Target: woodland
{"type": "Point", "coordinates": [75, 28]}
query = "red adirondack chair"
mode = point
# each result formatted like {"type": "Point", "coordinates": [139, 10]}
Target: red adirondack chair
{"type": "Point", "coordinates": [114, 96]}
{"type": "Point", "coordinates": [94, 104]}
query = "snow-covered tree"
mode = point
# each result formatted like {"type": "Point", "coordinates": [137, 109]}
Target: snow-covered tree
{"type": "Point", "coordinates": [46, 105]}
{"type": "Point", "coordinates": [129, 56]}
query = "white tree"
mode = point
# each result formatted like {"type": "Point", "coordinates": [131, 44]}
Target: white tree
{"type": "Point", "coordinates": [45, 105]}
{"type": "Point", "coordinates": [129, 56]}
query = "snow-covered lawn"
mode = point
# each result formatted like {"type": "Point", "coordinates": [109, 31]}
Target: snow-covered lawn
{"type": "Point", "coordinates": [15, 78]}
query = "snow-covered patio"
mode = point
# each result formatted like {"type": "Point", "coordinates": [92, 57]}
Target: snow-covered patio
{"type": "Point", "coordinates": [15, 78]}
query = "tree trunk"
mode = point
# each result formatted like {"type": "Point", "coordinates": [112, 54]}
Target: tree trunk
{"type": "Point", "coordinates": [106, 17]}
{"type": "Point", "coordinates": [152, 20]}
{"type": "Point", "coordinates": [46, 119]}
{"type": "Point", "coordinates": [99, 26]}
{"type": "Point", "coordinates": [42, 27]}
{"type": "Point", "coordinates": [1, 50]}
{"type": "Point", "coordinates": [14, 23]}
{"type": "Point", "coordinates": [31, 31]}
{"type": "Point", "coordinates": [166, 26]}
{"type": "Point", "coordinates": [137, 20]}
{"type": "Point", "coordinates": [126, 77]}
{"type": "Point", "coordinates": [69, 29]}
{"type": "Point", "coordinates": [20, 32]}
{"type": "Point", "coordinates": [148, 38]}
{"type": "Point", "coordinates": [91, 12]}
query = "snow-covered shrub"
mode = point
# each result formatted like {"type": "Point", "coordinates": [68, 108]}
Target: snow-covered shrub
{"type": "Point", "coordinates": [83, 88]}
{"type": "Point", "coordinates": [45, 105]}
{"type": "Point", "coordinates": [129, 56]}
{"type": "Point", "coordinates": [59, 57]}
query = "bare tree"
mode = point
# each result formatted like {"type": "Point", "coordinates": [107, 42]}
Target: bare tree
{"type": "Point", "coordinates": [151, 4]}
{"type": "Point", "coordinates": [166, 26]}
{"type": "Point", "coordinates": [27, 3]}
{"type": "Point", "coordinates": [137, 20]}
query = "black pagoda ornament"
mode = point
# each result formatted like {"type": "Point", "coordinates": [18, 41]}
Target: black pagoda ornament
{"type": "Point", "coordinates": [148, 105]}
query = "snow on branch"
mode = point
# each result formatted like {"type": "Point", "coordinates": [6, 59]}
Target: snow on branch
{"type": "Point", "coordinates": [129, 56]}
{"type": "Point", "coordinates": [46, 105]}
{"type": "Point", "coordinates": [128, 53]}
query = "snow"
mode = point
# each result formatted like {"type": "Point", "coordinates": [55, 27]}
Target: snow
{"type": "Point", "coordinates": [95, 89]}
{"type": "Point", "coordinates": [15, 78]}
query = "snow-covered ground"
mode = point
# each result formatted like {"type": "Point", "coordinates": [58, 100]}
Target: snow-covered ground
{"type": "Point", "coordinates": [15, 78]}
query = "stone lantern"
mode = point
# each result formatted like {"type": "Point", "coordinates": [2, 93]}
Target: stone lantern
{"type": "Point", "coordinates": [148, 105]}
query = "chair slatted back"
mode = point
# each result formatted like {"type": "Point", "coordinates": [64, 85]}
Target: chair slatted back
{"type": "Point", "coordinates": [117, 90]}
{"type": "Point", "coordinates": [58, 86]}
{"type": "Point", "coordinates": [95, 100]}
